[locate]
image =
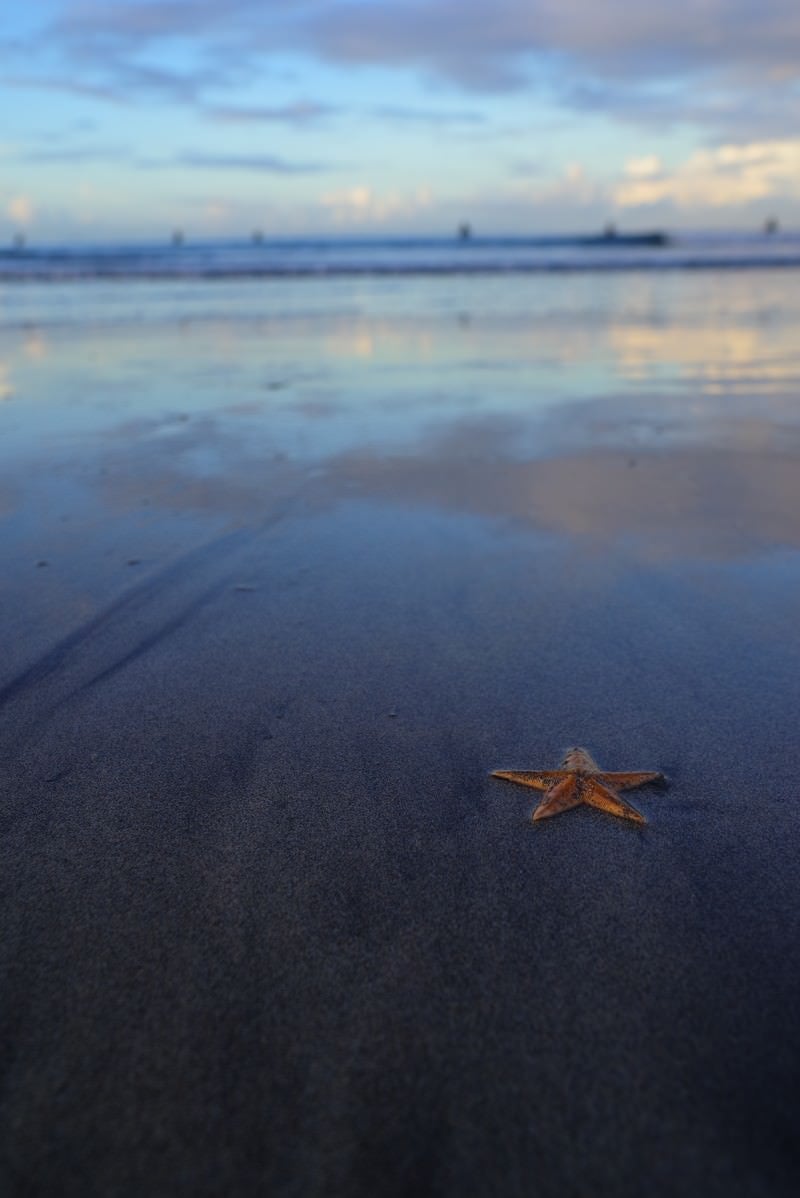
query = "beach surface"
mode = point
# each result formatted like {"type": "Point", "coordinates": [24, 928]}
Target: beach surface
{"type": "Point", "coordinates": [287, 570]}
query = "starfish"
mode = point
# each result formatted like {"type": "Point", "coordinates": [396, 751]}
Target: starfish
{"type": "Point", "coordinates": [579, 779]}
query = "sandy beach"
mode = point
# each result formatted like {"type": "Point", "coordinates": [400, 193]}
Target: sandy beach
{"type": "Point", "coordinates": [284, 577]}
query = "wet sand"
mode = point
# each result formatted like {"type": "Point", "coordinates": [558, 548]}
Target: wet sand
{"type": "Point", "coordinates": [269, 926]}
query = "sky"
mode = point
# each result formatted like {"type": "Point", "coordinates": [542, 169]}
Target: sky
{"type": "Point", "coordinates": [131, 118]}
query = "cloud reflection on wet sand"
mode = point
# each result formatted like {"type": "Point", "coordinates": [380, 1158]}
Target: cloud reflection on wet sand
{"type": "Point", "coordinates": [660, 414]}
{"type": "Point", "coordinates": [686, 500]}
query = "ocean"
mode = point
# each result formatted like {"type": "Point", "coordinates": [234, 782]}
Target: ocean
{"type": "Point", "coordinates": [399, 256]}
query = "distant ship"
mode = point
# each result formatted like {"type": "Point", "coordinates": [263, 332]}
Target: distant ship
{"type": "Point", "coordinates": [611, 236]}
{"type": "Point", "coordinates": [652, 239]}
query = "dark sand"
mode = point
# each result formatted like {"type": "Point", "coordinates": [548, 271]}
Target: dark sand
{"type": "Point", "coordinates": [268, 925]}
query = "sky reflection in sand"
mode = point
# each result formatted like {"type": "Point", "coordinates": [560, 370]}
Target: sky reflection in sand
{"type": "Point", "coordinates": [660, 415]}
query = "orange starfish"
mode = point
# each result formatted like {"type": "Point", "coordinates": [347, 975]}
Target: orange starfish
{"type": "Point", "coordinates": [580, 780]}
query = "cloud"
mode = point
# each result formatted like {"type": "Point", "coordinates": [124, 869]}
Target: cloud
{"type": "Point", "coordinates": [20, 209]}
{"type": "Point", "coordinates": [72, 154]}
{"type": "Point", "coordinates": [573, 188]}
{"type": "Point", "coordinates": [728, 176]}
{"type": "Point", "coordinates": [301, 112]}
{"type": "Point", "coordinates": [428, 116]}
{"type": "Point", "coordinates": [136, 24]}
{"type": "Point", "coordinates": [456, 39]}
{"type": "Point", "coordinates": [725, 107]}
{"type": "Point", "coordinates": [359, 205]}
{"type": "Point", "coordinates": [186, 86]}
{"type": "Point", "coordinates": [312, 112]}
{"type": "Point", "coordinates": [6, 392]}
{"type": "Point", "coordinates": [56, 83]}
{"type": "Point", "coordinates": [728, 67]}
{"type": "Point", "coordinates": [527, 168]}
{"type": "Point", "coordinates": [647, 167]}
{"type": "Point", "coordinates": [460, 40]}
{"type": "Point", "coordinates": [116, 50]}
{"type": "Point", "coordinates": [268, 163]}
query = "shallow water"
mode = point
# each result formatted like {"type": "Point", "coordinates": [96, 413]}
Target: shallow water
{"type": "Point", "coordinates": [288, 567]}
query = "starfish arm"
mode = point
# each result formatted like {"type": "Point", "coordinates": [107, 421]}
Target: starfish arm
{"type": "Point", "coordinates": [629, 781]}
{"type": "Point", "coordinates": [538, 779]}
{"type": "Point", "coordinates": [562, 796]}
{"type": "Point", "coordinates": [598, 795]}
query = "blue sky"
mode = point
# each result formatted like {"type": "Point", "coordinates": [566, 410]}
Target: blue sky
{"type": "Point", "coordinates": [133, 117]}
